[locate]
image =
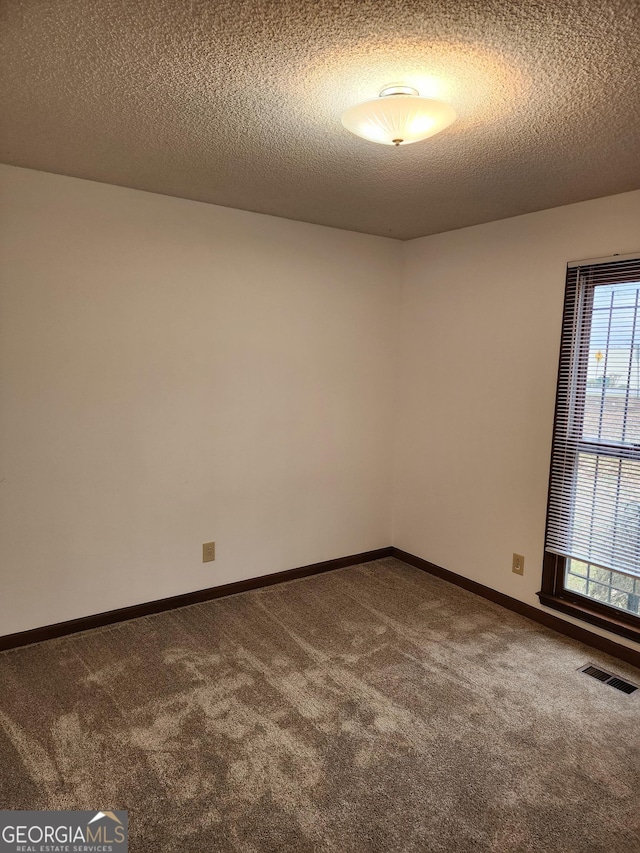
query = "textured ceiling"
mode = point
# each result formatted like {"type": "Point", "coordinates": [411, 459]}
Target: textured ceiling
{"type": "Point", "coordinates": [238, 103]}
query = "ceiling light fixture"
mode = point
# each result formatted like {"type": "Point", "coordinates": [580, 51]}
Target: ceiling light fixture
{"type": "Point", "coordinates": [399, 116]}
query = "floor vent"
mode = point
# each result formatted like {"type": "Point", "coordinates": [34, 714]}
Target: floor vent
{"type": "Point", "coordinates": [608, 678]}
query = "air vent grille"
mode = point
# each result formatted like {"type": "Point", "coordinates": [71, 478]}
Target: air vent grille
{"type": "Point", "coordinates": [608, 678]}
{"type": "Point", "coordinates": [619, 684]}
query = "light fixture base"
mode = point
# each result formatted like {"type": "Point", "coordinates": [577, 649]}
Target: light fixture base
{"type": "Point", "coordinates": [397, 89]}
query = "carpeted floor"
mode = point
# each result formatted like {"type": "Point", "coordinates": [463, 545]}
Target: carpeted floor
{"type": "Point", "coordinates": [374, 708]}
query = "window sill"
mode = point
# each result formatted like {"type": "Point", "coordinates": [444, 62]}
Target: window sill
{"type": "Point", "coordinates": [581, 610]}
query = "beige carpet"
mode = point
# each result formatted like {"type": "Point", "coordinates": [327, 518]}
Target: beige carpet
{"type": "Point", "coordinates": [374, 708]}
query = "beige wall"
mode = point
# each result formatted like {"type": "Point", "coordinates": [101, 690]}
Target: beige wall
{"type": "Point", "coordinates": [172, 373]}
{"type": "Point", "coordinates": [479, 340]}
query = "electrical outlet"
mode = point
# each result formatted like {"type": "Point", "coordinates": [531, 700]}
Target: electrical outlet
{"type": "Point", "coordinates": [208, 552]}
{"type": "Point", "coordinates": [518, 564]}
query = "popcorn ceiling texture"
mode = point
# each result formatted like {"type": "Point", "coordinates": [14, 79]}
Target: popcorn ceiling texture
{"type": "Point", "coordinates": [238, 103]}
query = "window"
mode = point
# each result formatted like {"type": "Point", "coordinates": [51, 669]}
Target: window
{"type": "Point", "coordinates": [592, 548]}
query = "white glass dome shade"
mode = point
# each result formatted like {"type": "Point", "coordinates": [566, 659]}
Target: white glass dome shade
{"type": "Point", "coordinates": [398, 117]}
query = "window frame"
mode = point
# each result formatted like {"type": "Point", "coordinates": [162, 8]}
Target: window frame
{"type": "Point", "coordinates": [553, 593]}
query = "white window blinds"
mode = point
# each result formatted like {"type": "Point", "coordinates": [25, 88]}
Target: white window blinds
{"type": "Point", "coordinates": [594, 498]}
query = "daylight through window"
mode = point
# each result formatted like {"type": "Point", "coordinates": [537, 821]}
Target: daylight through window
{"type": "Point", "coordinates": [593, 524]}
